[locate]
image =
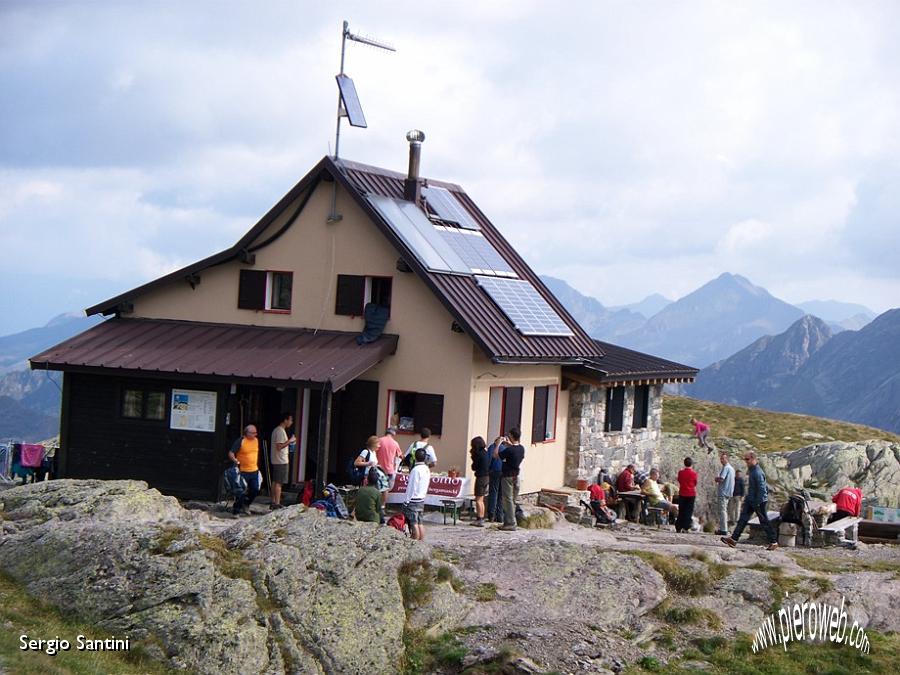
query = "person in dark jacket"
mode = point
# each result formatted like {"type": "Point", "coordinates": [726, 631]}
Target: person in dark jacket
{"type": "Point", "coordinates": [755, 502]}
{"type": "Point", "coordinates": [481, 467]}
{"type": "Point", "coordinates": [512, 456]}
{"type": "Point", "coordinates": [495, 474]}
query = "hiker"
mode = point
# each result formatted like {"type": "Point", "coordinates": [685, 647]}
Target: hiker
{"type": "Point", "coordinates": [495, 476]}
{"type": "Point", "coordinates": [650, 487]}
{"type": "Point", "coordinates": [701, 431]}
{"type": "Point", "coordinates": [367, 458]}
{"type": "Point", "coordinates": [737, 497]}
{"type": "Point", "coordinates": [389, 455]}
{"type": "Point", "coordinates": [245, 453]}
{"type": "Point", "coordinates": [598, 497]}
{"type": "Point", "coordinates": [430, 454]}
{"type": "Point", "coordinates": [848, 501]}
{"type": "Point", "coordinates": [724, 491]}
{"type": "Point", "coordinates": [416, 489]}
{"type": "Point", "coordinates": [481, 467]}
{"type": "Point", "coordinates": [512, 455]}
{"type": "Point", "coordinates": [687, 495]}
{"type": "Point", "coordinates": [278, 454]}
{"type": "Point", "coordinates": [368, 500]}
{"type": "Point", "coordinates": [756, 501]}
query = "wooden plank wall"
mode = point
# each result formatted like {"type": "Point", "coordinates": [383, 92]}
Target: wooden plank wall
{"type": "Point", "coordinates": [100, 443]}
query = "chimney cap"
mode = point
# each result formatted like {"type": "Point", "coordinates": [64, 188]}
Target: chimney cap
{"type": "Point", "coordinates": [415, 136]}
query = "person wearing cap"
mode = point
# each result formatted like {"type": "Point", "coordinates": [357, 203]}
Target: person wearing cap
{"type": "Point", "coordinates": [389, 455]}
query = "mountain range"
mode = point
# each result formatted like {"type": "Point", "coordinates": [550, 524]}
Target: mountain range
{"type": "Point", "coordinates": [853, 375]}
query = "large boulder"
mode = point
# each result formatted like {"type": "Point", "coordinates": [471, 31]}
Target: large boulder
{"type": "Point", "coordinates": [287, 592]}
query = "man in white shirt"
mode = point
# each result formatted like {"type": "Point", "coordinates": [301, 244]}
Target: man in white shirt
{"type": "Point", "coordinates": [280, 458]}
{"type": "Point", "coordinates": [416, 489]}
{"type": "Point", "coordinates": [430, 454]}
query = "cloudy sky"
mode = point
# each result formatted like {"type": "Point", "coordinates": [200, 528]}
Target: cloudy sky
{"type": "Point", "coordinates": [627, 147]}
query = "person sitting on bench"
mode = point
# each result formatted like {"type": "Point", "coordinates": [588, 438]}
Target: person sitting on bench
{"type": "Point", "coordinates": [655, 495]}
{"type": "Point", "coordinates": [603, 514]}
{"type": "Point", "coordinates": [848, 501]}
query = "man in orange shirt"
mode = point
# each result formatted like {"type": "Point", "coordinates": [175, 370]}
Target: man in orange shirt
{"type": "Point", "coordinates": [389, 454]}
{"type": "Point", "coordinates": [245, 453]}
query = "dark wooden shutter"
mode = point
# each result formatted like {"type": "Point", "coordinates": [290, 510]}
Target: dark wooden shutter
{"type": "Point", "coordinates": [512, 409]}
{"type": "Point", "coordinates": [252, 290]}
{"type": "Point", "coordinates": [350, 291]}
{"type": "Point", "coordinates": [429, 412]}
{"type": "Point", "coordinates": [539, 415]}
{"type": "Point", "coordinates": [615, 408]}
{"type": "Point", "coordinates": [641, 401]}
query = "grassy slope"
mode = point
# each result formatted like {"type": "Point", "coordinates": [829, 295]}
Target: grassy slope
{"type": "Point", "coordinates": [781, 431]}
{"type": "Point", "coordinates": [20, 614]}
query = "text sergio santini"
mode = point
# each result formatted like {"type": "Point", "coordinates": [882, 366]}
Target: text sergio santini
{"type": "Point", "coordinates": [82, 644]}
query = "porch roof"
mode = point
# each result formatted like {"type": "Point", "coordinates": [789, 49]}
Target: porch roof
{"type": "Point", "coordinates": [217, 351]}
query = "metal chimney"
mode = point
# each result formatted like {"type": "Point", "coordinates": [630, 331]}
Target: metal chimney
{"type": "Point", "coordinates": [412, 188]}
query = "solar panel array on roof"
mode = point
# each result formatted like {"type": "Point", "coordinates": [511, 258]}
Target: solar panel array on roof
{"type": "Point", "coordinates": [476, 251]}
{"type": "Point", "coordinates": [351, 101]}
{"type": "Point", "coordinates": [411, 224]}
{"type": "Point", "coordinates": [448, 208]}
{"type": "Point", "coordinates": [524, 307]}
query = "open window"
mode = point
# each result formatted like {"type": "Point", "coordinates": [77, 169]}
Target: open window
{"type": "Point", "coordinates": [143, 404]}
{"type": "Point", "coordinates": [354, 292]}
{"type": "Point", "coordinates": [504, 411]}
{"type": "Point", "coordinates": [269, 291]}
{"type": "Point", "coordinates": [641, 406]}
{"type": "Point", "coordinates": [412, 411]}
{"type": "Point", "coordinates": [543, 419]}
{"type": "Point", "coordinates": [615, 409]}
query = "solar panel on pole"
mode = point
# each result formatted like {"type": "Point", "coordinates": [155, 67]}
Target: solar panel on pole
{"type": "Point", "coordinates": [448, 208]}
{"type": "Point", "coordinates": [524, 307]}
{"type": "Point", "coordinates": [351, 101]}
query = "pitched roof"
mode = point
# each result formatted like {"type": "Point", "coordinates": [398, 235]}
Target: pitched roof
{"type": "Point", "coordinates": [621, 365]}
{"type": "Point", "coordinates": [472, 309]}
{"type": "Point", "coordinates": [235, 353]}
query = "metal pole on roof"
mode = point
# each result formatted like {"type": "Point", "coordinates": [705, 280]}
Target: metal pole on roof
{"type": "Point", "coordinates": [340, 106]}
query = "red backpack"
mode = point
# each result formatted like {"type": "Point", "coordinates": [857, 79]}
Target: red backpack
{"type": "Point", "coordinates": [398, 521]}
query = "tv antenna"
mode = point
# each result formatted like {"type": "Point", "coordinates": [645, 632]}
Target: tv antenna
{"type": "Point", "coordinates": [348, 101]}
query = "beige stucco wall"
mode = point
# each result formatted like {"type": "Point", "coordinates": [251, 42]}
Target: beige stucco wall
{"type": "Point", "coordinates": [544, 463]}
{"type": "Point", "coordinates": [430, 357]}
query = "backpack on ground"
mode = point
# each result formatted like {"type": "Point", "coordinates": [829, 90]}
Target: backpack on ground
{"type": "Point", "coordinates": [332, 503]}
{"type": "Point", "coordinates": [793, 510]}
{"type": "Point", "coordinates": [398, 522]}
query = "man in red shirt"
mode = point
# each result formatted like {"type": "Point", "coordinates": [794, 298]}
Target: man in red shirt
{"type": "Point", "coordinates": [849, 503]}
{"type": "Point", "coordinates": [625, 481]}
{"type": "Point", "coordinates": [389, 456]}
{"type": "Point", "coordinates": [687, 495]}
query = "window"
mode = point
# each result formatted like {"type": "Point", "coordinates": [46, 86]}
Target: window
{"type": "Point", "coordinates": [504, 411]}
{"type": "Point", "coordinates": [412, 411]}
{"type": "Point", "coordinates": [267, 291]}
{"type": "Point", "coordinates": [641, 406]}
{"type": "Point", "coordinates": [615, 408]}
{"type": "Point", "coordinates": [543, 419]}
{"type": "Point", "coordinates": [141, 404]}
{"type": "Point", "coordinates": [354, 292]}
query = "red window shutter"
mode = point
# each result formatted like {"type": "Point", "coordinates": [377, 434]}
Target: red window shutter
{"type": "Point", "coordinates": [252, 290]}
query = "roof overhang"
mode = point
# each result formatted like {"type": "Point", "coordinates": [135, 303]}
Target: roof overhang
{"type": "Point", "coordinates": [191, 350]}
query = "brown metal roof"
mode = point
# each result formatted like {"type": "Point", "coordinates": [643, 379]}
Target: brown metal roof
{"type": "Point", "coordinates": [220, 351]}
{"type": "Point", "coordinates": [626, 365]}
{"type": "Point", "coordinates": [473, 309]}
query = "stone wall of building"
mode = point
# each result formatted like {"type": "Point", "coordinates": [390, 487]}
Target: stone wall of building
{"type": "Point", "coordinates": [589, 448]}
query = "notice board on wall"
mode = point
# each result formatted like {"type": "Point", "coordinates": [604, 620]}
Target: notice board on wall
{"type": "Point", "coordinates": [193, 410]}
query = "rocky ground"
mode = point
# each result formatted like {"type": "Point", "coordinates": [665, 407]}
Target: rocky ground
{"type": "Point", "coordinates": [292, 591]}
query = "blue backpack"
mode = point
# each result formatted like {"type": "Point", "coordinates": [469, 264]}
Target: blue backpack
{"type": "Point", "coordinates": [235, 485]}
